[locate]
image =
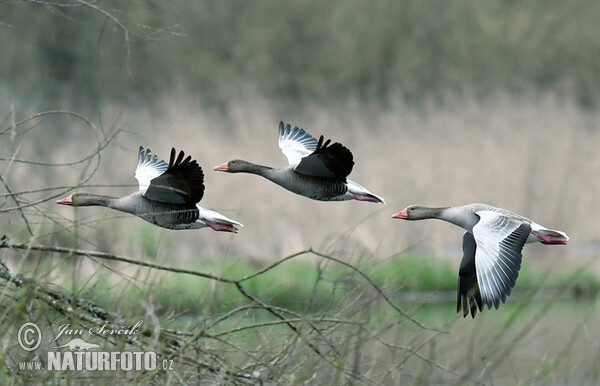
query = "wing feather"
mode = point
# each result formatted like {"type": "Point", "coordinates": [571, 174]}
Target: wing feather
{"type": "Point", "coordinates": [295, 143]}
{"type": "Point", "coordinates": [149, 166]}
{"type": "Point", "coordinates": [181, 183]}
{"type": "Point", "coordinates": [500, 240]}
{"type": "Point", "coordinates": [469, 295]}
{"type": "Point", "coordinates": [328, 160]}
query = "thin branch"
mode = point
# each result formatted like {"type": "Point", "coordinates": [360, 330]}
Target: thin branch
{"type": "Point", "coordinates": [14, 197]}
{"type": "Point", "coordinates": [275, 264]}
{"type": "Point", "coordinates": [121, 26]}
{"type": "Point", "coordinates": [14, 125]}
{"type": "Point", "coordinates": [4, 243]}
{"type": "Point", "coordinates": [278, 322]}
{"type": "Point", "coordinates": [85, 180]}
{"type": "Point", "coordinates": [376, 287]}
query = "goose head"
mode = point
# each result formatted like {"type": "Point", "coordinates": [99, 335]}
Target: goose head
{"type": "Point", "coordinates": [83, 199]}
{"type": "Point", "coordinates": [237, 166]}
{"type": "Point", "coordinates": [415, 212]}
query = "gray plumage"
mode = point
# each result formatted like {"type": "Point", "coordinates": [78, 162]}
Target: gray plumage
{"type": "Point", "coordinates": [168, 195]}
{"type": "Point", "coordinates": [316, 188]}
{"type": "Point", "coordinates": [492, 249]}
{"type": "Point", "coordinates": [317, 169]}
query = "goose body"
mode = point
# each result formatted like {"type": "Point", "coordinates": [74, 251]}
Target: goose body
{"type": "Point", "coordinates": [492, 249]}
{"type": "Point", "coordinates": [317, 169]}
{"type": "Point", "coordinates": [168, 195]}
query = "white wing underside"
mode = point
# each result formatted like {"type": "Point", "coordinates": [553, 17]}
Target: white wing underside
{"type": "Point", "coordinates": [149, 167]}
{"type": "Point", "coordinates": [500, 240]}
{"type": "Point", "coordinates": [295, 143]}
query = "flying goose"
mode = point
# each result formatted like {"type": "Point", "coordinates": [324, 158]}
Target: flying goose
{"type": "Point", "coordinates": [317, 169]}
{"type": "Point", "coordinates": [168, 195]}
{"type": "Point", "coordinates": [492, 246]}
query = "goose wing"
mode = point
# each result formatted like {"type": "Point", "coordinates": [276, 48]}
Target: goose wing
{"type": "Point", "coordinates": [469, 296]}
{"type": "Point", "coordinates": [295, 143]}
{"type": "Point", "coordinates": [334, 161]}
{"type": "Point", "coordinates": [149, 166]}
{"type": "Point", "coordinates": [181, 183]}
{"type": "Point", "coordinates": [500, 240]}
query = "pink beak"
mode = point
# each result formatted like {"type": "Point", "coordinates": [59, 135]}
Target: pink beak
{"type": "Point", "coordinates": [222, 168]}
{"type": "Point", "coordinates": [66, 201]}
{"type": "Point", "coordinates": [401, 215]}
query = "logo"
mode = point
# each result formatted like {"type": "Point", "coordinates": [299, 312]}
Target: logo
{"type": "Point", "coordinates": [29, 336]}
{"type": "Point", "coordinates": [78, 345]}
{"type": "Point", "coordinates": [79, 357]}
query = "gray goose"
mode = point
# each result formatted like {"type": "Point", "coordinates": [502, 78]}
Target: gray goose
{"type": "Point", "coordinates": [492, 246]}
{"type": "Point", "coordinates": [317, 169]}
{"type": "Point", "coordinates": [167, 197]}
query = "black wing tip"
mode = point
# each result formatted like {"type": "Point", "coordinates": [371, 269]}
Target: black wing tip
{"type": "Point", "coordinates": [465, 306]}
{"type": "Point", "coordinates": [189, 171]}
{"type": "Point", "coordinates": [177, 160]}
{"type": "Point", "coordinates": [337, 157]}
{"type": "Point", "coordinates": [323, 145]}
{"type": "Point", "coordinates": [469, 304]}
{"type": "Point", "coordinates": [172, 157]}
{"type": "Point", "coordinates": [326, 145]}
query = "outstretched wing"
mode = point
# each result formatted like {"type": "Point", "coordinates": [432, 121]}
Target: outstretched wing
{"type": "Point", "coordinates": [468, 294]}
{"type": "Point", "coordinates": [149, 167]}
{"type": "Point", "coordinates": [327, 160]}
{"type": "Point", "coordinates": [295, 143]}
{"type": "Point", "coordinates": [181, 183]}
{"type": "Point", "coordinates": [500, 240]}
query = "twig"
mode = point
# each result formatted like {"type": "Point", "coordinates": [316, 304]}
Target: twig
{"type": "Point", "coordinates": [13, 196]}
{"type": "Point", "coordinates": [4, 243]}
{"type": "Point", "coordinates": [278, 322]}
{"type": "Point", "coordinates": [83, 310]}
{"type": "Point", "coordinates": [121, 26]}
{"type": "Point", "coordinates": [376, 287]}
{"type": "Point", "coordinates": [14, 125]}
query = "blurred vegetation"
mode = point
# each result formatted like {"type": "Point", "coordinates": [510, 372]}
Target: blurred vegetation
{"type": "Point", "coordinates": [215, 333]}
{"type": "Point", "coordinates": [134, 51]}
{"type": "Point", "coordinates": [96, 53]}
{"type": "Point", "coordinates": [307, 287]}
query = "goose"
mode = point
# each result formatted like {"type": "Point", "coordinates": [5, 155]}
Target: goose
{"type": "Point", "coordinates": [316, 169]}
{"type": "Point", "coordinates": [492, 246]}
{"type": "Point", "coordinates": [167, 197]}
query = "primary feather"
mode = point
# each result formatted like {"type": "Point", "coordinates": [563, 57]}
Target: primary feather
{"type": "Point", "coordinates": [149, 166]}
{"type": "Point", "coordinates": [295, 143]}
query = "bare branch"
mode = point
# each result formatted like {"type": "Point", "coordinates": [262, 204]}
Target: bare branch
{"type": "Point", "coordinates": [375, 286]}
{"type": "Point", "coordinates": [4, 243]}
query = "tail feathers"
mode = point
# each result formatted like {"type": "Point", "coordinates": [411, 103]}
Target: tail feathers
{"type": "Point", "coordinates": [551, 236]}
{"type": "Point", "coordinates": [217, 221]}
{"type": "Point", "coordinates": [361, 193]}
